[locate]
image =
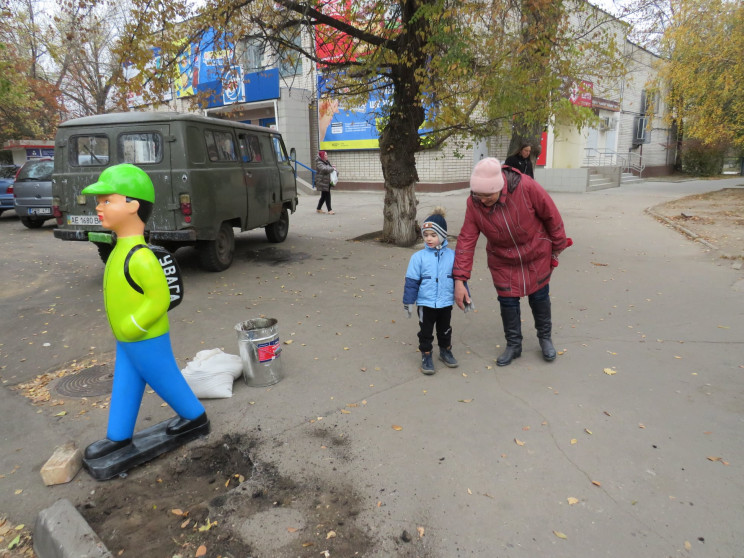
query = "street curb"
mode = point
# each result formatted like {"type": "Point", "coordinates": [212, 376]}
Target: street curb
{"type": "Point", "coordinates": [61, 532]}
{"type": "Point", "coordinates": [694, 236]}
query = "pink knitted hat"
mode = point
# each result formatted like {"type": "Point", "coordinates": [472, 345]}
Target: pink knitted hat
{"type": "Point", "coordinates": [487, 178]}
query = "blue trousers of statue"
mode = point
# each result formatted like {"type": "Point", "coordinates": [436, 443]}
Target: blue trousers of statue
{"type": "Point", "coordinates": [147, 362]}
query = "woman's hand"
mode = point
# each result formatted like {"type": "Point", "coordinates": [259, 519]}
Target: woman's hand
{"type": "Point", "coordinates": [461, 294]}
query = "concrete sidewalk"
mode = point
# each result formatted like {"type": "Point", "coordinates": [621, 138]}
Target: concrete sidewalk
{"type": "Point", "coordinates": [534, 459]}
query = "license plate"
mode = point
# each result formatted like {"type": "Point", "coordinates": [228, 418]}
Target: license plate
{"type": "Point", "coordinates": [83, 220]}
{"type": "Point", "coordinates": [39, 211]}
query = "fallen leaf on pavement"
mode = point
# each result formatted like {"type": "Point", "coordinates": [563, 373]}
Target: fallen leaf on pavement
{"type": "Point", "coordinates": [574, 441]}
{"type": "Point", "coordinates": [596, 483]}
{"type": "Point", "coordinates": [396, 427]}
{"type": "Point", "coordinates": [292, 529]}
{"type": "Point", "coordinates": [559, 535]}
{"type": "Point", "coordinates": [518, 442]}
{"type": "Point", "coordinates": [420, 531]}
{"type": "Point", "coordinates": [201, 551]}
{"type": "Point", "coordinates": [587, 431]}
{"type": "Point", "coordinates": [610, 371]}
{"type": "Point", "coordinates": [330, 535]}
{"type": "Point", "coordinates": [464, 400]}
{"type": "Point", "coordinates": [572, 501]}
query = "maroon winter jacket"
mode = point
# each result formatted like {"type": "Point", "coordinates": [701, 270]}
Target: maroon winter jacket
{"type": "Point", "coordinates": [522, 233]}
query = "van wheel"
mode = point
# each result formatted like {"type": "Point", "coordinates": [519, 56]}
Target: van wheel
{"type": "Point", "coordinates": [104, 250]}
{"type": "Point", "coordinates": [32, 223]}
{"type": "Point", "coordinates": [217, 254]}
{"type": "Point", "coordinates": [277, 231]}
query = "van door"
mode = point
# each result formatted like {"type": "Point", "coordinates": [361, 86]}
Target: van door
{"type": "Point", "coordinates": [261, 182]}
{"type": "Point", "coordinates": [286, 172]}
{"type": "Point", "coordinates": [149, 147]}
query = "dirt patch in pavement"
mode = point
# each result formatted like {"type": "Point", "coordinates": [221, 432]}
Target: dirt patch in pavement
{"type": "Point", "coordinates": [716, 217]}
{"type": "Point", "coordinates": [213, 500]}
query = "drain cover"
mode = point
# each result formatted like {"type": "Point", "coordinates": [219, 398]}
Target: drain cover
{"type": "Point", "coordinates": [91, 382]}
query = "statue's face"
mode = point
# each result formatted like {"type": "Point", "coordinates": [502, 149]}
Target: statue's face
{"type": "Point", "coordinates": [114, 210]}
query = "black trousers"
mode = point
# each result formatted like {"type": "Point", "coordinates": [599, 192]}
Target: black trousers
{"type": "Point", "coordinates": [428, 319]}
{"type": "Point", "coordinates": [325, 197]}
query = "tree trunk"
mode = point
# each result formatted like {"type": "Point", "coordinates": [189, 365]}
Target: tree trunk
{"type": "Point", "coordinates": [399, 142]}
{"type": "Point", "coordinates": [399, 225]}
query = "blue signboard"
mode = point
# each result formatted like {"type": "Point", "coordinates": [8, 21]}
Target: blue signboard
{"type": "Point", "coordinates": [346, 127]}
{"type": "Point", "coordinates": [39, 152]}
{"type": "Point", "coordinates": [212, 69]}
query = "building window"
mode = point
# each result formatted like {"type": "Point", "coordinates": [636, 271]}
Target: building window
{"type": "Point", "coordinates": [290, 61]}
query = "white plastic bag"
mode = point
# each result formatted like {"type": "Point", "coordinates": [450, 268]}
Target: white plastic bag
{"type": "Point", "coordinates": [334, 177]}
{"type": "Point", "coordinates": [212, 372]}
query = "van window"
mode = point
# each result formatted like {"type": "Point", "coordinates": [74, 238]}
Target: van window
{"type": "Point", "coordinates": [87, 151]}
{"type": "Point", "coordinates": [220, 146]}
{"type": "Point", "coordinates": [279, 151]}
{"type": "Point", "coordinates": [253, 149]}
{"type": "Point", "coordinates": [140, 148]}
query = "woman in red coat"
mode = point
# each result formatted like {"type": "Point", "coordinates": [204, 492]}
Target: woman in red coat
{"type": "Point", "coordinates": [525, 233]}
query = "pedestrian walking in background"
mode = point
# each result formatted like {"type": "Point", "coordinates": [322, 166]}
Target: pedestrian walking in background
{"type": "Point", "coordinates": [430, 286]}
{"type": "Point", "coordinates": [323, 181]}
{"type": "Point", "coordinates": [521, 161]}
{"type": "Point", "coordinates": [525, 235]}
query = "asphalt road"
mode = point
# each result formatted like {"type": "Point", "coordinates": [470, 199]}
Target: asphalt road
{"type": "Point", "coordinates": [629, 444]}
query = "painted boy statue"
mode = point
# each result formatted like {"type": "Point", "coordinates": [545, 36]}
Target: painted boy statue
{"type": "Point", "coordinates": [125, 196]}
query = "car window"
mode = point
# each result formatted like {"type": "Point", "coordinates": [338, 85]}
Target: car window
{"type": "Point", "coordinates": [140, 148]}
{"type": "Point", "coordinates": [250, 148]}
{"type": "Point", "coordinates": [36, 170]}
{"type": "Point", "coordinates": [87, 151]}
{"type": "Point", "coordinates": [281, 154]}
{"type": "Point", "coordinates": [220, 146]}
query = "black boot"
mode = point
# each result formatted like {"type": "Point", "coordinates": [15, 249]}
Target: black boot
{"type": "Point", "coordinates": [543, 325]}
{"type": "Point", "coordinates": [511, 318]}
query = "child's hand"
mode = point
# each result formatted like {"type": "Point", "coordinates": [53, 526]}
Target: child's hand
{"type": "Point", "coordinates": [407, 310]}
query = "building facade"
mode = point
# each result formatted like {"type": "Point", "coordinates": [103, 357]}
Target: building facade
{"type": "Point", "coordinates": [286, 93]}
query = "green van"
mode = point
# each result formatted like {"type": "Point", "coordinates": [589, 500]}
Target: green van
{"type": "Point", "coordinates": [210, 176]}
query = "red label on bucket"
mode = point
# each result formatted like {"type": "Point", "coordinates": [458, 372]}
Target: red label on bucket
{"type": "Point", "coordinates": [267, 351]}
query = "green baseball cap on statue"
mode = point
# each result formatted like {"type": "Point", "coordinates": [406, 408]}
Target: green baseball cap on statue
{"type": "Point", "coordinates": [125, 179]}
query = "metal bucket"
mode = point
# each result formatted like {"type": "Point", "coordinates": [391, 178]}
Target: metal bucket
{"type": "Point", "coordinates": [258, 341]}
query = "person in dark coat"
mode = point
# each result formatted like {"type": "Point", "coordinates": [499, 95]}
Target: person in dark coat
{"type": "Point", "coordinates": [323, 181]}
{"type": "Point", "coordinates": [521, 160]}
{"type": "Point", "coordinates": [525, 234]}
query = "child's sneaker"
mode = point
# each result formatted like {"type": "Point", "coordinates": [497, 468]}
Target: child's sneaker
{"type": "Point", "coordinates": [446, 356]}
{"type": "Point", "coordinates": [427, 364]}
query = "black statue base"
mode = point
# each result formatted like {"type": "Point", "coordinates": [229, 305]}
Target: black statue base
{"type": "Point", "coordinates": [146, 445]}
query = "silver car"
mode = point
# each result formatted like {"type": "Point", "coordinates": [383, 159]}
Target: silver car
{"type": "Point", "coordinates": [32, 191]}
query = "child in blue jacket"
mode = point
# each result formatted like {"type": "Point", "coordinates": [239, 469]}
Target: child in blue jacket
{"type": "Point", "coordinates": [429, 284]}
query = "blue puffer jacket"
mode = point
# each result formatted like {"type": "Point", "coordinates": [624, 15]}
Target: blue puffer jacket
{"type": "Point", "coordinates": [429, 279]}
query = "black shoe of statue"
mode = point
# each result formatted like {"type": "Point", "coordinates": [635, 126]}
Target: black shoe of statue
{"type": "Point", "coordinates": [102, 448]}
{"type": "Point", "coordinates": [179, 425]}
